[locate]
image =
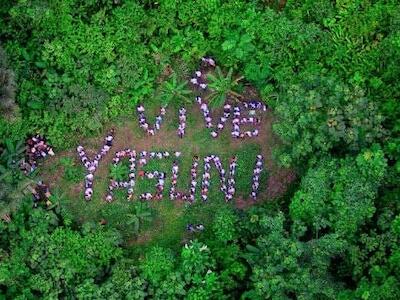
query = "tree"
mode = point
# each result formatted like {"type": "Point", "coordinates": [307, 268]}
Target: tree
{"type": "Point", "coordinates": [51, 260]}
{"type": "Point", "coordinates": [173, 90]}
{"type": "Point", "coordinates": [338, 195]}
{"type": "Point", "coordinates": [222, 86]}
{"type": "Point", "coordinates": [322, 115]}
{"type": "Point", "coordinates": [284, 267]}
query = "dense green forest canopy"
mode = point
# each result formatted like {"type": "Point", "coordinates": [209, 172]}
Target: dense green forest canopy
{"type": "Point", "coordinates": [329, 70]}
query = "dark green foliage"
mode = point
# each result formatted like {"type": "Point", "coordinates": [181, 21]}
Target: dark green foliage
{"type": "Point", "coordinates": [128, 218]}
{"type": "Point", "coordinates": [8, 107]}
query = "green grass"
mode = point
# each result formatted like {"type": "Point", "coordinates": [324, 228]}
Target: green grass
{"type": "Point", "coordinates": [168, 227]}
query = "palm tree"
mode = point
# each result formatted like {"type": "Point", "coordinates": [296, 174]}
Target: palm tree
{"type": "Point", "coordinates": [222, 86]}
{"type": "Point", "coordinates": [141, 215]}
{"type": "Point", "coordinates": [174, 90]}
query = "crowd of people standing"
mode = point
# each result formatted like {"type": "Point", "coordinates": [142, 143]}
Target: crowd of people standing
{"type": "Point", "coordinates": [36, 148]}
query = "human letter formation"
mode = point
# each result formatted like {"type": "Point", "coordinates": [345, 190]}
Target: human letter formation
{"type": "Point", "coordinates": [199, 81]}
{"type": "Point", "coordinates": [91, 166]}
{"type": "Point", "coordinates": [226, 179]}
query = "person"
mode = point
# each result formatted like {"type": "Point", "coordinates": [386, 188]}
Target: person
{"type": "Point", "coordinates": [44, 189]}
{"type": "Point", "coordinates": [227, 108]}
{"type": "Point", "coordinates": [254, 132]}
{"type": "Point", "coordinates": [200, 227]}
{"type": "Point", "coordinates": [88, 194]}
{"type": "Point", "coordinates": [50, 151]}
{"type": "Point", "coordinates": [148, 196]}
{"type": "Point", "coordinates": [142, 161]}
{"type": "Point", "coordinates": [109, 138]}
{"type": "Point", "coordinates": [209, 61]}
{"type": "Point", "coordinates": [91, 168]}
{"type": "Point", "coordinates": [140, 108]}
{"type": "Point", "coordinates": [36, 198]}
{"type": "Point", "coordinates": [190, 228]}
{"type": "Point", "coordinates": [24, 167]}
{"type": "Point", "coordinates": [175, 167]}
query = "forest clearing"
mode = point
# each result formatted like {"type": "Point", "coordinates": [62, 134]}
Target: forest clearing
{"type": "Point", "coordinates": [200, 149]}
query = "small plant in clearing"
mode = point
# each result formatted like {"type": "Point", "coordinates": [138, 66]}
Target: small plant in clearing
{"type": "Point", "coordinates": [222, 86]}
{"type": "Point", "coordinates": [172, 89]}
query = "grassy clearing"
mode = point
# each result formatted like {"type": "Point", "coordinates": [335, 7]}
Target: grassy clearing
{"type": "Point", "coordinates": [65, 175]}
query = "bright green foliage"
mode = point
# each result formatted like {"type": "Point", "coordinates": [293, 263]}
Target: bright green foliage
{"type": "Point", "coordinates": [119, 172]}
{"type": "Point", "coordinates": [172, 90]}
{"type": "Point", "coordinates": [72, 171]}
{"type": "Point", "coordinates": [158, 265]}
{"type": "Point", "coordinates": [338, 195]}
{"type": "Point", "coordinates": [124, 282]}
{"type": "Point", "coordinates": [192, 276]}
{"type": "Point", "coordinates": [224, 226]}
{"type": "Point", "coordinates": [322, 115]}
{"type": "Point", "coordinates": [222, 86]}
{"type": "Point", "coordinates": [49, 260]}
{"type": "Point", "coordinates": [284, 266]}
